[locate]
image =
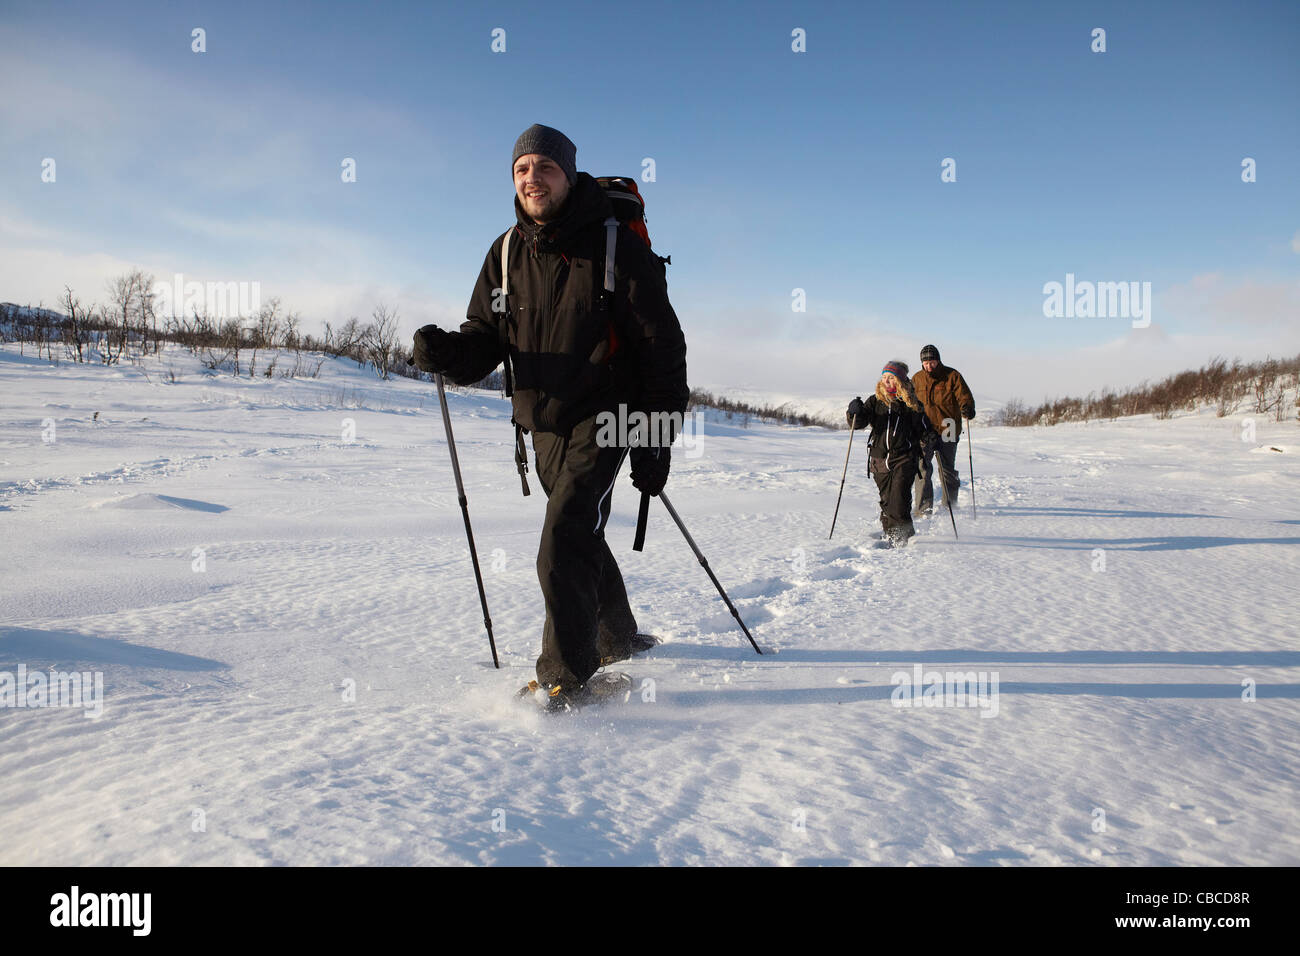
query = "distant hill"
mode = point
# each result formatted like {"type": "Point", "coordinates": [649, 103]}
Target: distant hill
{"type": "Point", "coordinates": [28, 311]}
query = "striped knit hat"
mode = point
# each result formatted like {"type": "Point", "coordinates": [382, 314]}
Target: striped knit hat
{"type": "Point", "coordinates": [895, 367]}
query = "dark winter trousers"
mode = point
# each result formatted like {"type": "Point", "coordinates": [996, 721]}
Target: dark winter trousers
{"type": "Point", "coordinates": [894, 479]}
{"type": "Point", "coordinates": [924, 490]}
{"type": "Point", "coordinates": [587, 610]}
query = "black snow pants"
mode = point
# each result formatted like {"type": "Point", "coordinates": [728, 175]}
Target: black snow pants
{"type": "Point", "coordinates": [894, 479]}
{"type": "Point", "coordinates": [587, 611]}
{"type": "Point", "coordinates": [924, 490]}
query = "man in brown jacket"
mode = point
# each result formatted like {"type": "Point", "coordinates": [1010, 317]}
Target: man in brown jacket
{"type": "Point", "coordinates": [947, 400]}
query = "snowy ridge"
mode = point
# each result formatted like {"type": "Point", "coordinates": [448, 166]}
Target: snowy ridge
{"type": "Point", "coordinates": [828, 405]}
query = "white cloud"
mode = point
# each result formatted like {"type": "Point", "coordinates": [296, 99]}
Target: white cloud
{"type": "Point", "coordinates": [16, 228]}
{"type": "Point", "coordinates": [1217, 302]}
{"type": "Point", "coordinates": [38, 273]}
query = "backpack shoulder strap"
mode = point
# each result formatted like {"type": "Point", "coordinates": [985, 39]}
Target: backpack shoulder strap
{"type": "Point", "coordinates": [505, 260]}
{"type": "Point", "coordinates": [521, 453]}
{"type": "Point", "coordinates": [611, 243]}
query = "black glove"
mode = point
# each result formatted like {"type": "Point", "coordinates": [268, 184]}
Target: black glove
{"type": "Point", "coordinates": [856, 410]}
{"type": "Point", "coordinates": [650, 468]}
{"type": "Point", "coordinates": [968, 412]}
{"type": "Point", "coordinates": [434, 349]}
{"type": "Point", "coordinates": [929, 444]}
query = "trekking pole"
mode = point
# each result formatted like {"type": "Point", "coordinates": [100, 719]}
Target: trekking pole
{"type": "Point", "coordinates": [943, 485]}
{"type": "Point", "coordinates": [853, 425]}
{"type": "Point", "coordinates": [464, 510]}
{"type": "Point", "coordinates": [970, 457]}
{"type": "Point", "coordinates": [705, 564]}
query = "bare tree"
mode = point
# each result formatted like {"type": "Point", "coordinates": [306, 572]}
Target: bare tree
{"type": "Point", "coordinates": [130, 301]}
{"type": "Point", "coordinates": [380, 339]}
{"type": "Point", "coordinates": [266, 328]}
{"type": "Point", "coordinates": [42, 331]}
{"type": "Point", "coordinates": [291, 338]}
{"type": "Point", "coordinates": [78, 324]}
{"type": "Point", "coordinates": [21, 326]}
{"type": "Point", "coordinates": [345, 340]}
{"type": "Point", "coordinates": [209, 339]}
{"type": "Point", "coordinates": [231, 337]}
{"type": "Point", "coordinates": [1264, 388]}
{"type": "Point", "coordinates": [146, 314]}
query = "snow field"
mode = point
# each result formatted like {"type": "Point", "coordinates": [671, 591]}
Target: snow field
{"type": "Point", "coordinates": [315, 687]}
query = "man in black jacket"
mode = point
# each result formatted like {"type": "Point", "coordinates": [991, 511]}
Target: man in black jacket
{"type": "Point", "coordinates": [572, 352]}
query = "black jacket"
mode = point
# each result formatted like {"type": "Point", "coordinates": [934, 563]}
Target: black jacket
{"type": "Point", "coordinates": [572, 353]}
{"type": "Point", "coordinates": [896, 430]}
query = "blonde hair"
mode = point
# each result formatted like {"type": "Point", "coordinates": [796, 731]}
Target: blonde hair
{"type": "Point", "coordinates": [906, 391]}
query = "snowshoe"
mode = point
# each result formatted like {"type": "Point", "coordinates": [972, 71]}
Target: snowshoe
{"type": "Point", "coordinates": [599, 689]}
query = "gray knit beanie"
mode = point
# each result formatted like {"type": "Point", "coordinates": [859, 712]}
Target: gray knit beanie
{"type": "Point", "coordinates": [930, 352]}
{"type": "Point", "coordinates": [548, 142]}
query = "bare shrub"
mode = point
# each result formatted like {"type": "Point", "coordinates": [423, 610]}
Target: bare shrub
{"type": "Point", "coordinates": [379, 340]}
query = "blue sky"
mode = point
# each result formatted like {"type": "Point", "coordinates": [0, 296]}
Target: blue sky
{"type": "Point", "coordinates": [775, 170]}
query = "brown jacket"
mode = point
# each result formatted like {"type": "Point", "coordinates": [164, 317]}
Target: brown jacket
{"type": "Point", "coordinates": [944, 395]}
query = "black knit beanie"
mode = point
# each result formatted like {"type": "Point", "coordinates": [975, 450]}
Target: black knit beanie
{"type": "Point", "coordinates": [548, 142]}
{"type": "Point", "coordinates": [930, 352]}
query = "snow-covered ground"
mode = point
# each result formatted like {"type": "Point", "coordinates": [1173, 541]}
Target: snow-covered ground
{"type": "Point", "coordinates": [295, 668]}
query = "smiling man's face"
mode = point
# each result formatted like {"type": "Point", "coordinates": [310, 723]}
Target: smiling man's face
{"type": "Point", "coordinates": [541, 186]}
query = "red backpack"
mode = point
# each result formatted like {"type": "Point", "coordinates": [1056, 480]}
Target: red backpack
{"type": "Point", "coordinates": [629, 206]}
{"type": "Point", "coordinates": [629, 209]}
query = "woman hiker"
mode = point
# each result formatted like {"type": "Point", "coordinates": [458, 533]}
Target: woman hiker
{"type": "Point", "coordinates": [899, 429]}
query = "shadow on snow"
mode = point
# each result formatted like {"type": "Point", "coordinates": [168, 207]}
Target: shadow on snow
{"type": "Point", "coordinates": [39, 649]}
